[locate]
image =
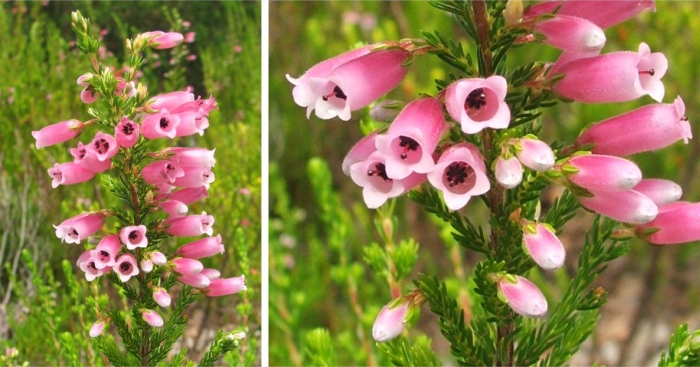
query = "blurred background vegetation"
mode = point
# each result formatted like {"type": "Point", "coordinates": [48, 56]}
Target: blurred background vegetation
{"type": "Point", "coordinates": [39, 65]}
{"type": "Point", "coordinates": [319, 224]}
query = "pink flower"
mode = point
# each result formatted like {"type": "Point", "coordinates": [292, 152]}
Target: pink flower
{"type": "Point", "coordinates": [534, 154]}
{"type": "Point", "coordinates": [390, 321]}
{"type": "Point", "coordinates": [189, 37]}
{"type": "Point", "coordinates": [211, 273]}
{"type": "Point", "coordinates": [225, 286]}
{"type": "Point", "coordinates": [191, 122]}
{"type": "Point", "coordinates": [191, 225]}
{"type": "Point", "coordinates": [126, 267]}
{"type": "Point", "coordinates": [349, 81]}
{"type": "Point", "coordinates": [86, 263]}
{"type": "Point", "coordinates": [170, 101]}
{"type": "Point", "coordinates": [105, 254]}
{"type": "Point", "coordinates": [161, 172]}
{"type": "Point", "coordinates": [478, 103]}
{"type": "Point", "coordinates": [602, 172]}
{"type": "Point", "coordinates": [152, 318]}
{"type": "Point", "coordinates": [661, 192]}
{"type": "Point", "coordinates": [194, 176]}
{"type": "Point", "coordinates": [159, 125]}
{"type": "Point", "coordinates": [146, 265]}
{"type": "Point", "coordinates": [193, 156]}
{"type": "Point", "coordinates": [412, 138]}
{"type": "Point", "coordinates": [602, 13]}
{"type": "Point", "coordinates": [377, 187]}
{"type": "Point", "coordinates": [186, 266]}
{"type": "Point", "coordinates": [57, 133]}
{"type": "Point", "coordinates": [158, 258]}
{"type": "Point", "coordinates": [522, 296]}
{"type": "Point", "coordinates": [127, 132]}
{"type": "Point", "coordinates": [174, 208]}
{"type": "Point", "coordinates": [543, 245]}
{"type": "Point", "coordinates": [460, 173]}
{"type": "Point", "coordinates": [624, 206]}
{"type": "Point", "coordinates": [89, 95]}
{"type": "Point", "coordinates": [97, 328]}
{"type": "Point", "coordinates": [88, 159]}
{"type": "Point", "coordinates": [189, 195]}
{"type": "Point", "coordinates": [647, 128]}
{"type": "Point", "coordinates": [163, 40]}
{"type": "Point", "coordinates": [104, 146]}
{"type": "Point", "coordinates": [134, 236]}
{"type": "Point", "coordinates": [676, 223]}
{"type": "Point", "coordinates": [161, 296]}
{"type": "Point", "coordinates": [79, 227]}
{"type": "Point", "coordinates": [204, 247]}
{"type": "Point", "coordinates": [508, 172]}
{"type": "Point", "coordinates": [614, 77]}
{"type": "Point", "coordinates": [570, 33]}
{"type": "Point", "coordinates": [196, 280]}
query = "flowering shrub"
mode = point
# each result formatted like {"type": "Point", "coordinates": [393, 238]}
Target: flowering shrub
{"type": "Point", "coordinates": [480, 136]}
{"type": "Point", "coordinates": [155, 188]}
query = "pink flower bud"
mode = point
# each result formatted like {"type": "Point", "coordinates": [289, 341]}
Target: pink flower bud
{"type": "Point", "coordinates": [158, 258]}
{"type": "Point", "coordinates": [159, 125]}
{"type": "Point", "coordinates": [126, 267]}
{"type": "Point", "coordinates": [189, 37]}
{"type": "Point", "coordinates": [193, 156]}
{"type": "Point", "coordinates": [191, 225]}
{"type": "Point", "coordinates": [146, 265]}
{"type": "Point", "coordinates": [163, 40]}
{"type": "Point", "coordinates": [211, 273]}
{"type": "Point", "coordinates": [57, 133]}
{"type": "Point", "coordinates": [572, 34]}
{"type": "Point", "coordinates": [79, 227]}
{"type": "Point", "coordinates": [225, 286]}
{"type": "Point", "coordinates": [204, 247]}
{"type": "Point", "coordinates": [69, 173]}
{"type": "Point", "coordinates": [535, 154]}
{"type": "Point", "coordinates": [170, 101]}
{"type": "Point", "coordinates": [89, 95]}
{"type": "Point", "coordinates": [508, 172]}
{"type": "Point", "coordinates": [478, 103]}
{"type": "Point", "coordinates": [161, 296]}
{"type": "Point", "coordinates": [412, 138]}
{"type": "Point", "coordinates": [186, 266]}
{"type": "Point", "coordinates": [390, 321]}
{"type": "Point", "coordinates": [676, 223]}
{"type": "Point", "coordinates": [459, 174]}
{"type": "Point", "coordinates": [105, 254]}
{"type": "Point", "coordinates": [189, 195]}
{"type": "Point", "coordinates": [602, 13]}
{"type": "Point", "coordinates": [614, 77]}
{"type": "Point", "coordinates": [602, 172]}
{"type": "Point", "coordinates": [127, 132]}
{"type": "Point", "coordinates": [134, 236]}
{"type": "Point", "coordinates": [647, 128]}
{"type": "Point", "coordinates": [194, 176]}
{"type": "Point", "coordinates": [624, 206]}
{"type": "Point", "coordinates": [544, 246]}
{"type": "Point", "coordinates": [522, 296]}
{"type": "Point", "coordinates": [349, 81]}
{"type": "Point", "coordinates": [97, 328]}
{"type": "Point", "coordinates": [196, 280]}
{"type": "Point", "coordinates": [161, 172]}
{"type": "Point", "coordinates": [88, 159]}
{"type": "Point", "coordinates": [152, 318]}
{"type": "Point", "coordinates": [174, 208]}
{"type": "Point", "coordinates": [661, 192]}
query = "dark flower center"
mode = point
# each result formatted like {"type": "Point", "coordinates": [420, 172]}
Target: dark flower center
{"type": "Point", "coordinates": [337, 92]}
{"type": "Point", "coordinates": [101, 146]}
{"type": "Point", "coordinates": [476, 99]}
{"type": "Point", "coordinates": [104, 255]}
{"type": "Point", "coordinates": [133, 235]}
{"type": "Point", "coordinates": [128, 128]}
{"type": "Point", "coordinates": [379, 170]}
{"type": "Point", "coordinates": [164, 122]}
{"type": "Point", "coordinates": [457, 173]}
{"type": "Point", "coordinates": [408, 144]}
{"type": "Point", "coordinates": [125, 267]}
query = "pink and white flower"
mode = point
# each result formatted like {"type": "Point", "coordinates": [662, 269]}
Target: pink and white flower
{"type": "Point", "coordinates": [661, 192]}
{"type": "Point", "coordinates": [161, 296]}
{"type": "Point", "coordinates": [676, 223]}
{"type": "Point", "coordinates": [390, 321]}
{"type": "Point", "coordinates": [478, 103]}
{"type": "Point", "coordinates": [543, 245]}
{"type": "Point", "coordinates": [69, 173]}
{"type": "Point", "coordinates": [534, 154]}
{"type": "Point", "coordinates": [602, 172]}
{"type": "Point", "coordinates": [164, 171]}
{"type": "Point", "coordinates": [127, 132]}
{"type": "Point", "coordinates": [104, 146]}
{"type": "Point", "coordinates": [522, 296]}
{"type": "Point", "coordinates": [152, 318]}
{"type": "Point", "coordinates": [163, 40]}
{"type": "Point", "coordinates": [134, 237]}
{"type": "Point", "coordinates": [160, 125]}
{"type": "Point", "coordinates": [602, 13]}
{"type": "Point", "coordinates": [57, 133]}
{"type": "Point", "coordinates": [625, 206]}
{"type": "Point", "coordinates": [194, 176]}
{"type": "Point", "coordinates": [570, 33]}
{"type": "Point", "coordinates": [225, 286]}
{"type": "Point", "coordinates": [126, 267]}
{"type": "Point", "coordinates": [508, 172]}
{"type": "Point", "coordinates": [88, 159]}
{"type": "Point", "coordinates": [105, 254]}
{"type": "Point", "coordinates": [79, 227]}
{"type": "Point", "coordinates": [459, 174]}
{"type": "Point", "coordinates": [204, 247]}
{"type": "Point", "coordinates": [191, 225]}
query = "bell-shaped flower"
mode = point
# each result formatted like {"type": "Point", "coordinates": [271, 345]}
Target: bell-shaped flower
{"type": "Point", "coordinates": [349, 81]}
{"type": "Point", "coordinates": [647, 128]}
{"type": "Point", "coordinates": [105, 254]}
{"type": "Point", "coordinates": [543, 245]}
{"type": "Point", "coordinates": [193, 156]}
{"type": "Point", "coordinates": [57, 133]}
{"type": "Point", "coordinates": [104, 146]}
{"type": "Point", "coordinates": [97, 328]}
{"type": "Point", "coordinates": [159, 125]}
{"type": "Point", "coordinates": [189, 195]}
{"type": "Point", "coordinates": [191, 225]}
{"type": "Point", "coordinates": [377, 187]}
{"type": "Point", "coordinates": [196, 280]}
{"type": "Point", "coordinates": [79, 227]}
{"type": "Point", "coordinates": [134, 237]}
{"type": "Point", "coordinates": [205, 247]}
{"type": "Point", "coordinates": [69, 173]}
{"type": "Point", "coordinates": [161, 296]}
{"type": "Point", "coordinates": [522, 296]}
{"type": "Point", "coordinates": [534, 154]}
{"type": "Point", "coordinates": [195, 176]}
{"type": "Point", "coordinates": [152, 318]}
{"type": "Point", "coordinates": [409, 143]}
{"type": "Point", "coordinates": [570, 33]}
{"type": "Point", "coordinates": [508, 172]}
{"type": "Point", "coordinates": [460, 173]}
{"type": "Point", "coordinates": [174, 208]}
{"type": "Point", "coordinates": [170, 101]}
{"type": "Point", "coordinates": [661, 192]}
{"type": "Point", "coordinates": [211, 273]}
{"type": "Point", "coordinates": [225, 286]}
{"type": "Point", "coordinates": [191, 122]}
{"type": "Point", "coordinates": [602, 172]}
{"type": "Point", "coordinates": [624, 206]}
{"type": "Point", "coordinates": [88, 159]}
{"type": "Point", "coordinates": [391, 320]}
{"type": "Point", "coordinates": [676, 223]}
{"type": "Point", "coordinates": [127, 132]}
{"type": "Point", "coordinates": [613, 77]}
{"type": "Point", "coordinates": [164, 171]}
{"type": "Point", "coordinates": [602, 13]}
{"type": "Point", "coordinates": [163, 40]}
{"type": "Point", "coordinates": [478, 103]}
{"type": "Point", "coordinates": [186, 266]}
{"type": "Point", "coordinates": [126, 267]}
{"type": "Point", "coordinates": [86, 263]}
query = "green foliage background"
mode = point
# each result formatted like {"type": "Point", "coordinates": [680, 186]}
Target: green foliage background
{"type": "Point", "coordinates": [38, 69]}
{"type": "Point", "coordinates": [324, 294]}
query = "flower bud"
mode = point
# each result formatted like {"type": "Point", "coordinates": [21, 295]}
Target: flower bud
{"type": "Point", "coordinates": [522, 296]}
{"type": "Point", "coordinates": [390, 321]}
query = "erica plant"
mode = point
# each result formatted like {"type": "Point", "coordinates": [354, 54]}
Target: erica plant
{"type": "Point", "coordinates": [479, 136]}
{"type": "Point", "coordinates": [137, 156]}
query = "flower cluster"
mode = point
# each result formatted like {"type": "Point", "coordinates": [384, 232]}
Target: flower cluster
{"type": "Point", "coordinates": [429, 140]}
{"type": "Point", "coordinates": [160, 184]}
